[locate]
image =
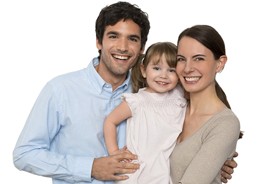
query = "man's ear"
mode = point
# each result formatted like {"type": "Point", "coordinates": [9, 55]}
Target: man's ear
{"type": "Point", "coordinates": [98, 44]}
{"type": "Point", "coordinates": [221, 63]}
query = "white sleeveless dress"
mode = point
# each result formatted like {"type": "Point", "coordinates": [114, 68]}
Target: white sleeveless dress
{"type": "Point", "coordinates": [156, 122]}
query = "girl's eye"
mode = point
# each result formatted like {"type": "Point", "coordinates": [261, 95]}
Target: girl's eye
{"type": "Point", "coordinates": [172, 70]}
{"type": "Point", "coordinates": [156, 68]}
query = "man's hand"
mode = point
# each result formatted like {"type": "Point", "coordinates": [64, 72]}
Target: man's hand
{"type": "Point", "coordinates": [113, 167]}
{"type": "Point", "coordinates": [228, 169]}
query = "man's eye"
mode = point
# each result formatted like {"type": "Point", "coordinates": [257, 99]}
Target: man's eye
{"type": "Point", "coordinates": [134, 39]}
{"type": "Point", "coordinates": [112, 36]}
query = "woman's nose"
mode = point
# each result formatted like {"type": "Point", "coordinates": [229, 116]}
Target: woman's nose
{"type": "Point", "coordinates": [189, 66]}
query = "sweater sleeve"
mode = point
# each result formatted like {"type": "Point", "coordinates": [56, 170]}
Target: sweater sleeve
{"type": "Point", "coordinates": [218, 144]}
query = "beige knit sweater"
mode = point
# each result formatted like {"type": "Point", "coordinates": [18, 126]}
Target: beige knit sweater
{"type": "Point", "coordinates": [199, 158]}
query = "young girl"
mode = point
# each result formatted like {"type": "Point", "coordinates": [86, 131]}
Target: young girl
{"type": "Point", "coordinates": [211, 129]}
{"type": "Point", "coordinates": [154, 114]}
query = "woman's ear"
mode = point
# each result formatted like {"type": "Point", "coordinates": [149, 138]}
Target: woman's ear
{"type": "Point", "coordinates": [221, 63]}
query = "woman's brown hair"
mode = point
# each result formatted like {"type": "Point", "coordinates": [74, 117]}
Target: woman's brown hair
{"type": "Point", "coordinates": [211, 39]}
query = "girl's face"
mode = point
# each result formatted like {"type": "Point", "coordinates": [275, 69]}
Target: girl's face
{"type": "Point", "coordinates": [160, 77]}
{"type": "Point", "coordinates": [196, 65]}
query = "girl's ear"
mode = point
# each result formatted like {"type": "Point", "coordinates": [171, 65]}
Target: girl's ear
{"type": "Point", "coordinates": [143, 71]}
{"type": "Point", "coordinates": [142, 50]}
{"type": "Point", "coordinates": [221, 63]}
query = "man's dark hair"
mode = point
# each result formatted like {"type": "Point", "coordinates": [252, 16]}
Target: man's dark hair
{"type": "Point", "coordinates": [113, 13]}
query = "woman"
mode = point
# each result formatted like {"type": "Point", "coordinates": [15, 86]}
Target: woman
{"type": "Point", "coordinates": [211, 129]}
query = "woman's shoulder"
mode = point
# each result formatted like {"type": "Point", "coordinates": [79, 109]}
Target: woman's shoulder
{"type": "Point", "coordinates": [226, 121]}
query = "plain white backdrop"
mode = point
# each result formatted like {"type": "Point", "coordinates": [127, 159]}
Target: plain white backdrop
{"type": "Point", "coordinates": [42, 39]}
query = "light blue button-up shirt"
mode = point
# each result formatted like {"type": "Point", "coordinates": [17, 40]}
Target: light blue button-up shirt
{"type": "Point", "coordinates": [64, 131]}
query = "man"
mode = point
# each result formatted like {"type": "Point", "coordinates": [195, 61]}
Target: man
{"type": "Point", "coordinates": [63, 135]}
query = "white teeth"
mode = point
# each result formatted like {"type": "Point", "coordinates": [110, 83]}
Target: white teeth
{"type": "Point", "coordinates": [120, 57]}
{"type": "Point", "coordinates": [162, 83]}
{"type": "Point", "coordinates": [191, 79]}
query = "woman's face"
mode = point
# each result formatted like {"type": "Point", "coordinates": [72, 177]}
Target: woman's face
{"type": "Point", "coordinates": [196, 66]}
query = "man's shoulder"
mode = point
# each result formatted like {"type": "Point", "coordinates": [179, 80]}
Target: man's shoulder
{"type": "Point", "coordinates": [73, 75]}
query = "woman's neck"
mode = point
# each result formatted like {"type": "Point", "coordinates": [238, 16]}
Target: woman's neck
{"type": "Point", "coordinates": [205, 103]}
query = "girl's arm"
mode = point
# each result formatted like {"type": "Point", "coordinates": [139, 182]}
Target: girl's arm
{"type": "Point", "coordinates": [119, 114]}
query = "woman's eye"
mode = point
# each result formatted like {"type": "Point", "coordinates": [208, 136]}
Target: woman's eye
{"type": "Point", "coordinates": [181, 60]}
{"type": "Point", "coordinates": [198, 59]}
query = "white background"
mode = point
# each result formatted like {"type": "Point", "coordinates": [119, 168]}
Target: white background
{"type": "Point", "coordinates": [42, 39]}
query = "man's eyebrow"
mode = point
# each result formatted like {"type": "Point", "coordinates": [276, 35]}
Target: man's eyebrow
{"type": "Point", "coordinates": [130, 36]}
{"type": "Point", "coordinates": [135, 36]}
{"type": "Point", "coordinates": [112, 32]}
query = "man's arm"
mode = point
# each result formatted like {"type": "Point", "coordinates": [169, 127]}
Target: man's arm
{"type": "Point", "coordinates": [113, 167]}
{"type": "Point", "coordinates": [228, 169]}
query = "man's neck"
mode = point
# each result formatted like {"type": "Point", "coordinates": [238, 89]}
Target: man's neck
{"type": "Point", "coordinates": [109, 77]}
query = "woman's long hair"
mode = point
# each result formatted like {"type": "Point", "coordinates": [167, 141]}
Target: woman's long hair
{"type": "Point", "coordinates": [211, 39]}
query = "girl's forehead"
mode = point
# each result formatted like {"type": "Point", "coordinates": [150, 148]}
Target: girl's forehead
{"type": "Point", "coordinates": [155, 59]}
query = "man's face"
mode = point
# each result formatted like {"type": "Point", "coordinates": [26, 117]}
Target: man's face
{"type": "Point", "coordinates": [120, 48]}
